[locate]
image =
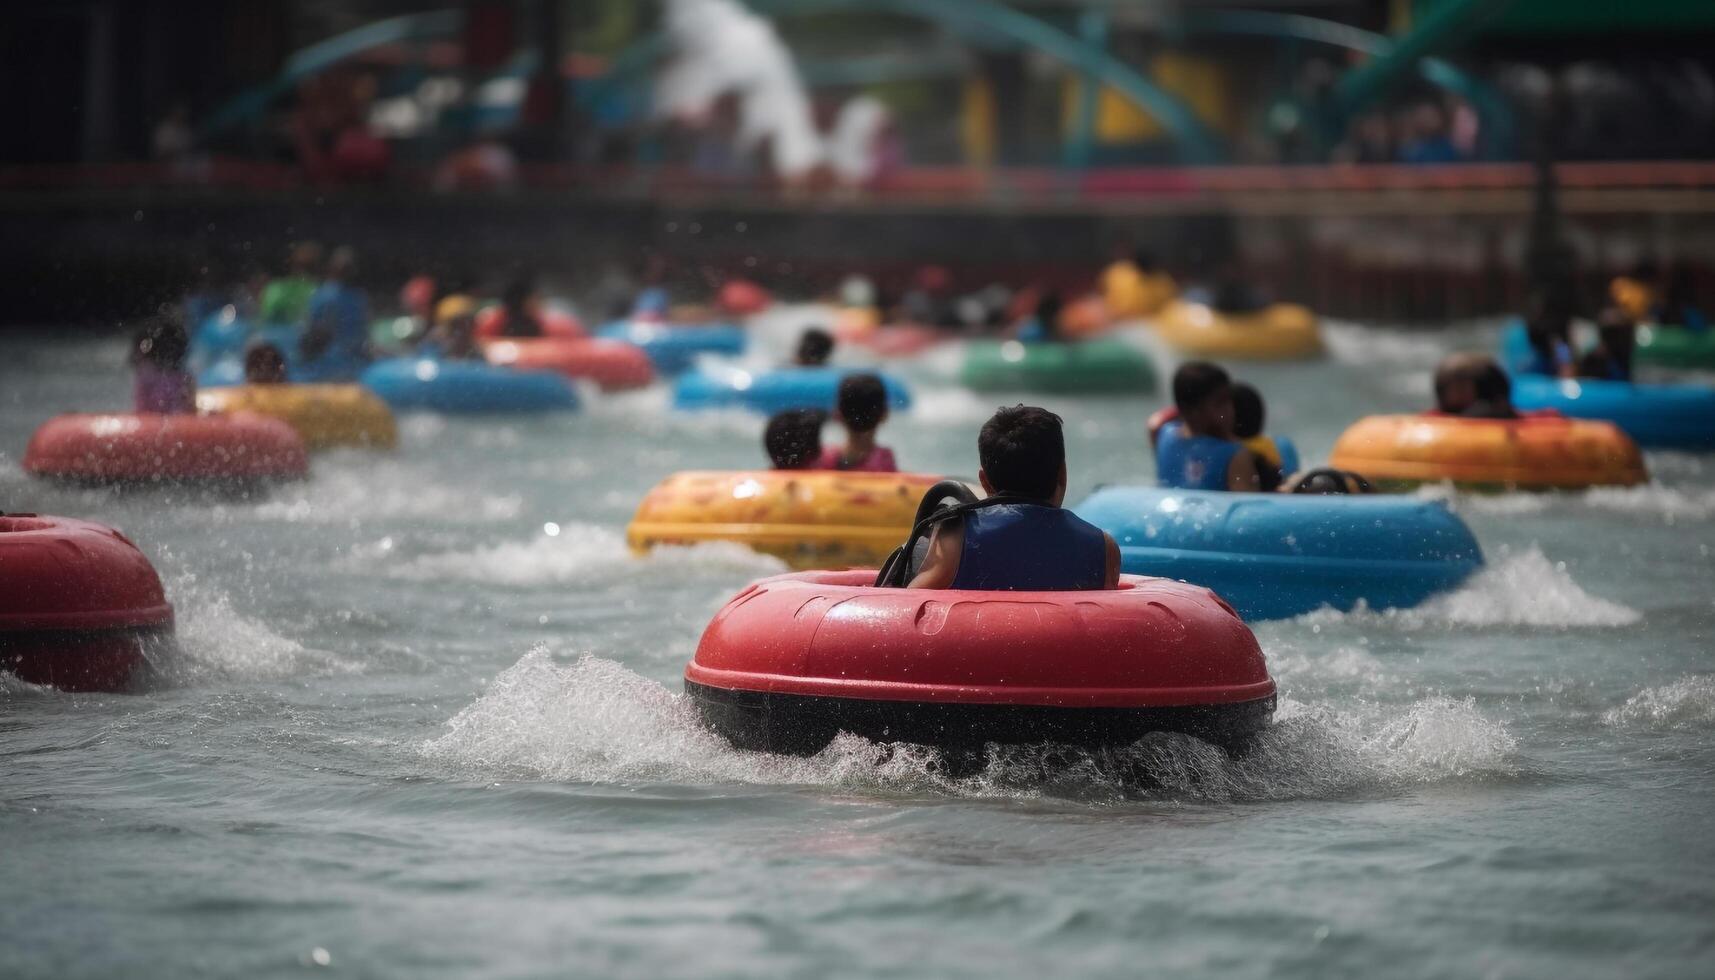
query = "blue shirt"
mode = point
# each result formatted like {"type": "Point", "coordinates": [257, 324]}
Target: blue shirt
{"type": "Point", "coordinates": [344, 312]}
{"type": "Point", "coordinates": [1188, 462]}
{"type": "Point", "coordinates": [1031, 548]}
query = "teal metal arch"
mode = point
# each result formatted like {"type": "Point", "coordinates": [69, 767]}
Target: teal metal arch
{"type": "Point", "coordinates": [323, 55]}
{"type": "Point", "coordinates": [971, 18]}
{"type": "Point", "coordinates": [1355, 89]}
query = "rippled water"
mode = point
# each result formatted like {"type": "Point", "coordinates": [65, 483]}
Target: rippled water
{"type": "Point", "coordinates": [426, 722]}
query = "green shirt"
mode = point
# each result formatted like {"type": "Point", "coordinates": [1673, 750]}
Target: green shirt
{"type": "Point", "coordinates": [286, 300]}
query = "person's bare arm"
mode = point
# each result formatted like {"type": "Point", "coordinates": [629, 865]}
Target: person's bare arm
{"type": "Point", "coordinates": [1111, 578]}
{"type": "Point", "coordinates": [941, 564]}
{"type": "Point", "coordinates": [1241, 473]}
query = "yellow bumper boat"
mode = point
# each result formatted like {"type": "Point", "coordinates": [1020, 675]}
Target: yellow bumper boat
{"type": "Point", "coordinates": [807, 518]}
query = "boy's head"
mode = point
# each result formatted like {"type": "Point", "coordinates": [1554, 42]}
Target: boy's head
{"type": "Point", "coordinates": [264, 364]}
{"type": "Point", "coordinates": [517, 294]}
{"type": "Point", "coordinates": [1456, 382]}
{"type": "Point", "coordinates": [862, 402]}
{"type": "Point", "coordinates": [1494, 389]}
{"type": "Point", "coordinates": [1203, 393]}
{"type": "Point", "coordinates": [815, 346]}
{"type": "Point", "coordinates": [342, 263]}
{"type": "Point", "coordinates": [1617, 330]}
{"type": "Point", "coordinates": [1249, 414]}
{"type": "Point", "coordinates": [793, 438]}
{"type": "Point", "coordinates": [163, 342]}
{"type": "Point", "coordinates": [305, 259]}
{"type": "Point", "coordinates": [1023, 451]}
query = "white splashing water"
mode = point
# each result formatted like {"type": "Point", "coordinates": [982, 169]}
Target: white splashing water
{"type": "Point", "coordinates": [1650, 499]}
{"type": "Point", "coordinates": [1686, 704]}
{"type": "Point", "coordinates": [720, 49]}
{"type": "Point", "coordinates": [215, 641]}
{"type": "Point", "coordinates": [1353, 343]}
{"type": "Point", "coordinates": [1516, 589]}
{"type": "Point", "coordinates": [384, 490]}
{"type": "Point", "coordinates": [596, 721]}
{"type": "Point", "coordinates": [583, 553]}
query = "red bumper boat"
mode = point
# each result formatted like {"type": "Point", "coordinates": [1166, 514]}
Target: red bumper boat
{"type": "Point", "coordinates": [793, 660]}
{"type": "Point", "coordinates": [238, 449]}
{"type": "Point", "coordinates": [80, 607]}
{"type": "Point", "coordinates": [612, 364]}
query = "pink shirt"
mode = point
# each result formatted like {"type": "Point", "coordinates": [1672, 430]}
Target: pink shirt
{"type": "Point", "coordinates": [879, 460]}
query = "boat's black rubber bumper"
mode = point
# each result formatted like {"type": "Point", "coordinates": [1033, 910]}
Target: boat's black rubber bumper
{"type": "Point", "coordinates": [803, 725]}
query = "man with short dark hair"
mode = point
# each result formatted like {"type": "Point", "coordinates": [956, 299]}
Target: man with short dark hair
{"type": "Point", "coordinates": [1025, 541]}
{"type": "Point", "coordinates": [1200, 451]}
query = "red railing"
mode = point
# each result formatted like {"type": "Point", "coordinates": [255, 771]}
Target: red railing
{"type": "Point", "coordinates": [942, 184]}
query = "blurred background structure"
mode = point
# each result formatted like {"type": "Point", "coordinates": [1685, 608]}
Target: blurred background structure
{"type": "Point", "coordinates": [1372, 158]}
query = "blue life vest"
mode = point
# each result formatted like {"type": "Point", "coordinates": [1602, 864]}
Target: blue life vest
{"type": "Point", "coordinates": [1188, 462]}
{"type": "Point", "coordinates": [1031, 548]}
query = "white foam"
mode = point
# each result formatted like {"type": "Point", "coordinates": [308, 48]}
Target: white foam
{"type": "Point", "coordinates": [1652, 498]}
{"type": "Point", "coordinates": [1516, 589]}
{"type": "Point", "coordinates": [576, 552]}
{"type": "Point", "coordinates": [380, 490]}
{"type": "Point", "coordinates": [1353, 343]}
{"type": "Point", "coordinates": [216, 641]}
{"type": "Point", "coordinates": [1686, 704]}
{"type": "Point", "coordinates": [1495, 504]}
{"type": "Point", "coordinates": [596, 721]}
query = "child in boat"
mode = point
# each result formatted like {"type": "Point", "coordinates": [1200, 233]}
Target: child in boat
{"type": "Point", "coordinates": [862, 409]}
{"type": "Point", "coordinates": [793, 439]}
{"type": "Point", "coordinates": [1200, 451]}
{"type": "Point", "coordinates": [286, 299]}
{"type": "Point", "coordinates": [1249, 414]}
{"type": "Point", "coordinates": [162, 385]}
{"type": "Point", "coordinates": [1494, 393]}
{"type": "Point", "coordinates": [1611, 358]}
{"type": "Point", "coordinates": [1022, 539]}
{"type": "Point", "coordinates": [1548, 325]}
{"type": "Point", "coordinates": [264, 364]}
{"type": "Point", "coordinates": [517, 310]}
{"type": "Point", "coordinates": [815, 346]}
{"type": "Point", "coordinates": [335, 346]}
{"type": "Point", "coordinates": [1456, 382]}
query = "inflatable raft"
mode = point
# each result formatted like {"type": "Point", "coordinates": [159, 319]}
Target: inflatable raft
{"type": "Point", "coordinates": [1676, 347]}
{"type": "Point", "coordinates": [673, 349]}
{"type": "Point", "coordinates": [793, 660]}
{"type": "Point", "coordinates": [1526, 454]}
{"type": "Point", "coordinates": [1093, 366]}
{"type": "Point", "coordinates": [238, 450]}
{"type": "Point", "coordinates": [772, 391]}
{"type": "Point", "coordinates": [452, 386]}
{"type": "Point", "coordinates": [1274, 555]}
{"type": "Point", "coordinates": [81, 608]}
{"type": "Point", "coordinates": [610, 364]}
{"type": "Point", "coordinates": [326, 416]}
{"type": "Point", "coordinates": [807, 518]}
{"type": "Point", "coordinates": [1655, 416]}
{"type": "Point", "coordinates": [1279, 331]}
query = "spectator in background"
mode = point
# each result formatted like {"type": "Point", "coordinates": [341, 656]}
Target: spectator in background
{"type": "Point", "coordinates": [1426, 138]}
